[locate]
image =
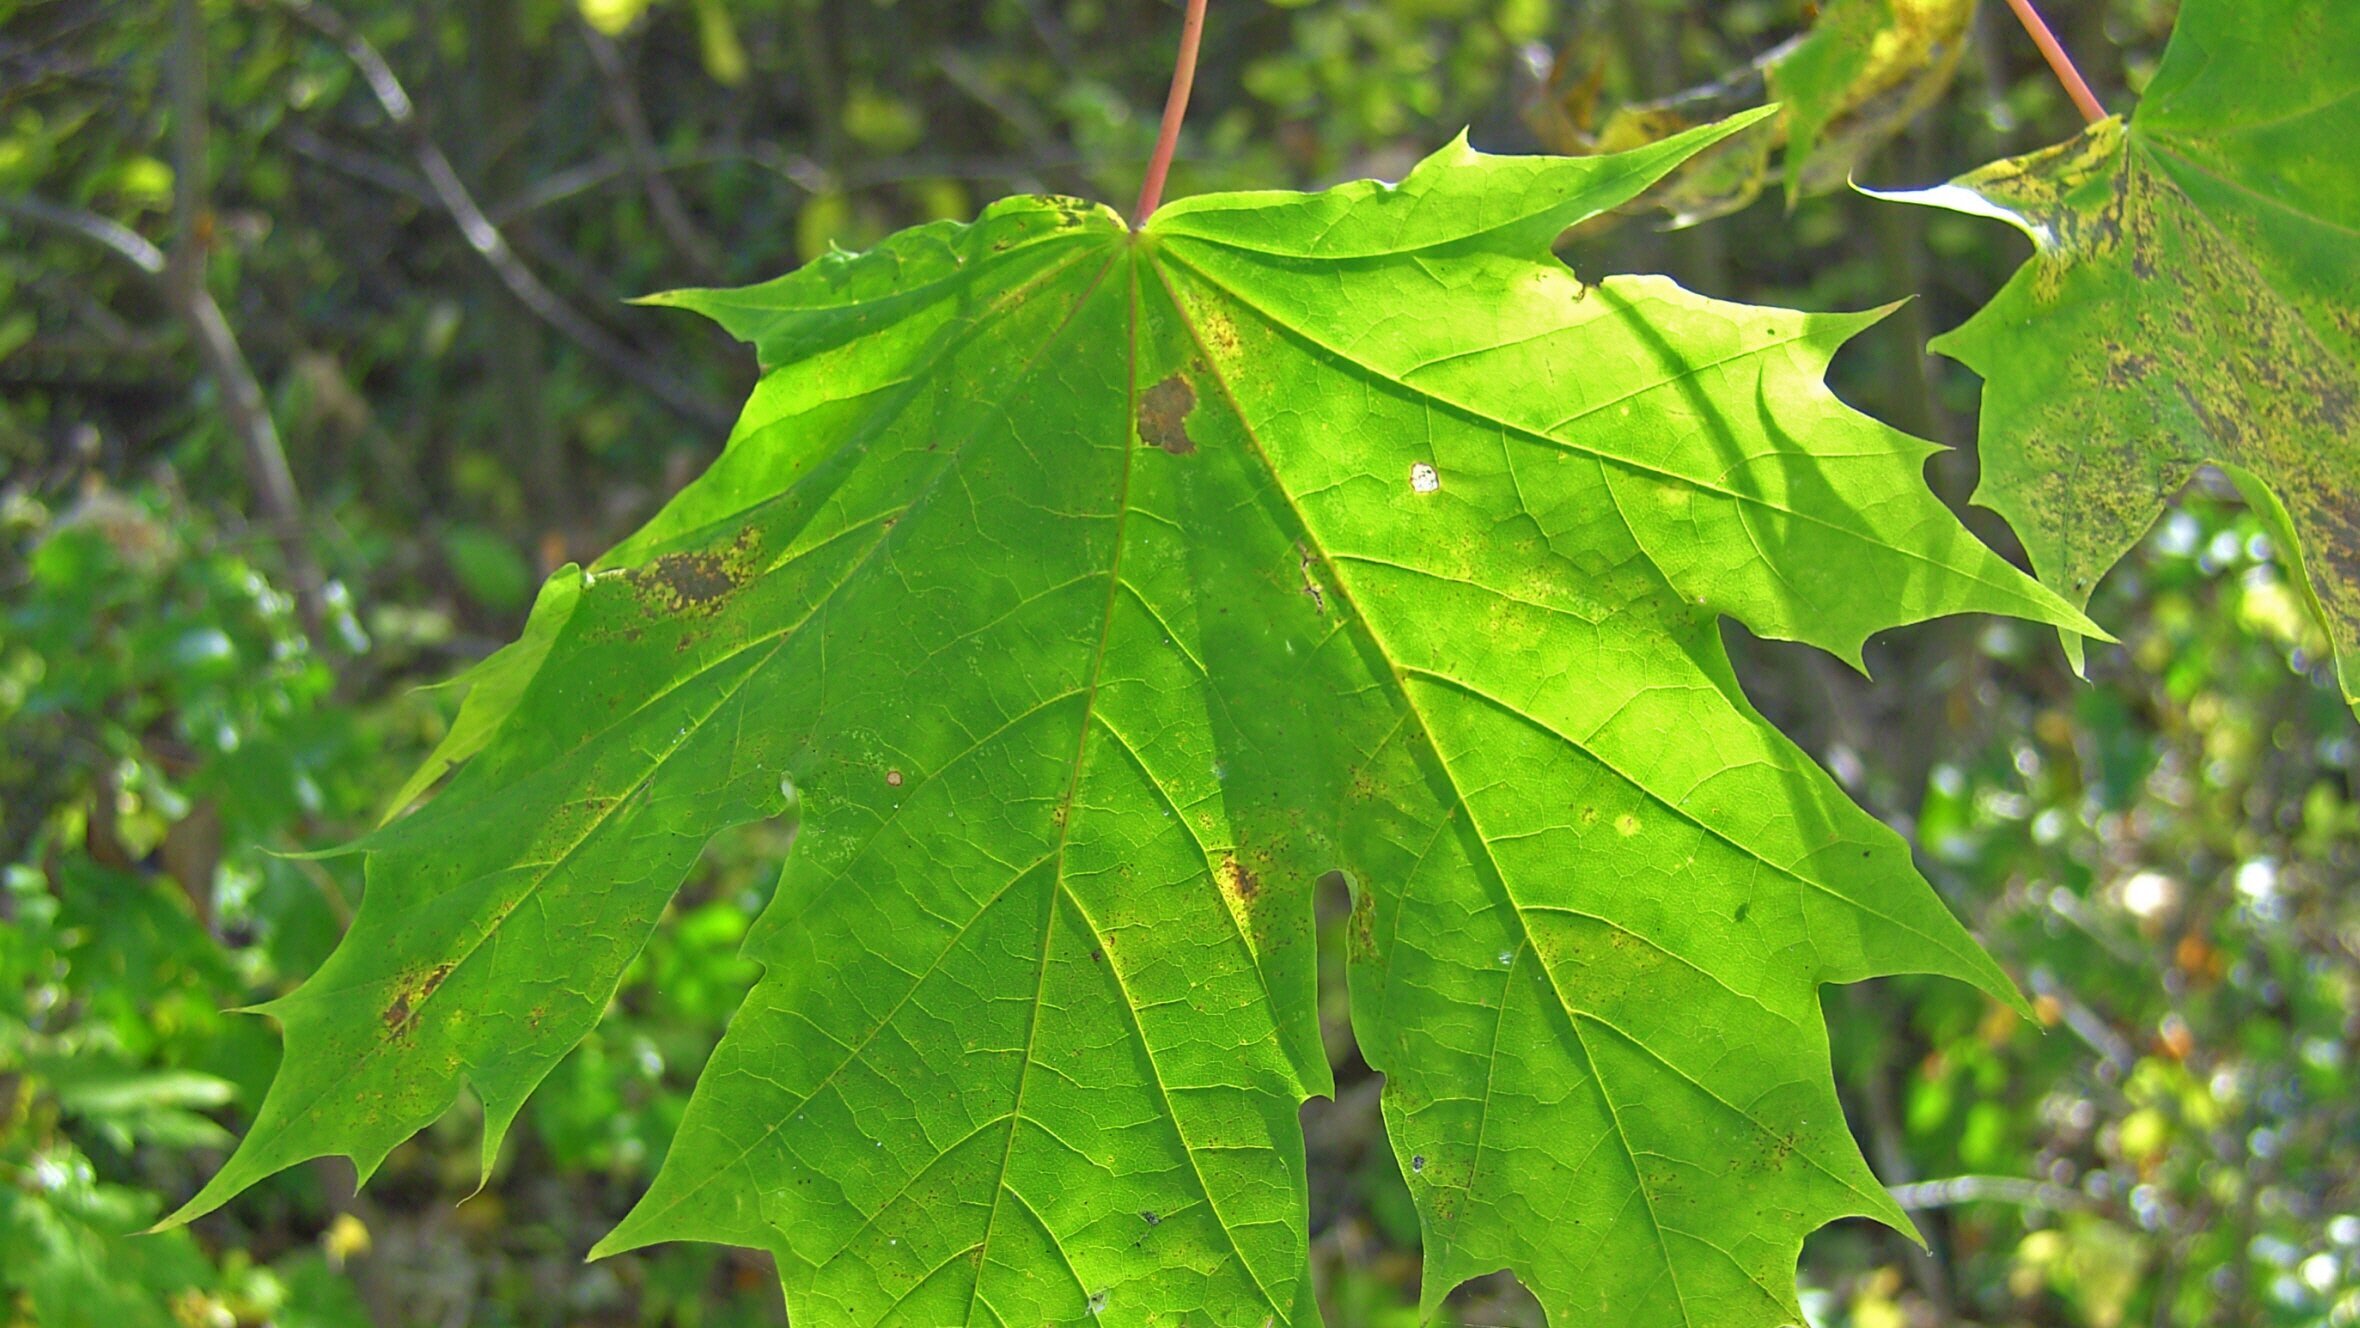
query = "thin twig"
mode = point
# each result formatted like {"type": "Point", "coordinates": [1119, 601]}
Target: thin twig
{"type": "Point", "coordinates": [603, 171]}
{"type": "Point", "coordinates": [362, 166]}
{"type": "Point", "coordinates": [822, 102]}
{"type": "Point", "coordinates": [486, 239]}
{"type": "Point", "coordinates": [2088, 1025]}
{"type": "Point", "coordinates": [801, 172]}
{"type": "Point", "coordinates": [639, 144]}
{"type": "Point", "coordinates": [968, 77]}
{"type": "Point", "coordinates": [1052, 34]}
{"type": "Point", "coordinates": [2060, 63]}
{"type": "Point", "coordinates": [1890, 1151]}
{"type": "Point", "coordinates": [126, 244]}
{"type": "Point", "coordinates": [266, 458]}
{"type": "Point", "coordinates": [1919, 1196]}
{"type": "Point", "coordinates": [1167, 139]}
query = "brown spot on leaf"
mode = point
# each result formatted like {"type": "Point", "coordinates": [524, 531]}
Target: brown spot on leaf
{"type": "Point", "coordinates": [1237, 881]}
{"type": "Point", "coordinates": [1163, 415]}
{"type": "Point", "coordinates": [893, 778]}
{"type": "Point", "coordinates": [695, 580]}
{"type": "Point", "coordinates": [689, 579]}
{"type": "Point", "coordinates": [401, 1013]}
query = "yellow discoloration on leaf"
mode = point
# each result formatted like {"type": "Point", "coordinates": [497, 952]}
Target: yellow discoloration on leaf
{"type": "Point", "coordinates": [2194, 299]}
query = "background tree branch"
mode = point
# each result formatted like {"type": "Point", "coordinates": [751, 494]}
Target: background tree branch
{"type": "Point", "coordinates": [486, 238]}
{"type": "Point", "coordinates": [243, 404]}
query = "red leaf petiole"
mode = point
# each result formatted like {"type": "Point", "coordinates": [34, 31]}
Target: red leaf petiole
{"type": "Point", "coordinates": [2060, 63]}
{"type": "Point", "coordinates": [1151, 190]}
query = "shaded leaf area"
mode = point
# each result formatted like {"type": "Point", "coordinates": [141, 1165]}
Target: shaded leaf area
{"type": "Point", "coordinates": [2195, 299]}
{"type": "Point", "coordinates": [1848, 84]}
{"type": "Point", "coordinates": [1089, 596]}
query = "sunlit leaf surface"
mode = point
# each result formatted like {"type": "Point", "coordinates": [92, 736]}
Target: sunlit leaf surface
{"type": "Point", "coordinates": [1090, 595]}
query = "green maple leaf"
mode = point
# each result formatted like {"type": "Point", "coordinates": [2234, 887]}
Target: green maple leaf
{"type": "Point", "coordinates": [2194, 298]}
{"type": "Point", "coordinates": [1089, 595]}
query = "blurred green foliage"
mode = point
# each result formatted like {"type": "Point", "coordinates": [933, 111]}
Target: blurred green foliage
{"type": "Point", "coordinates": [2164, 856]}
{"type": "Point", "coordinates": [163, 718]}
